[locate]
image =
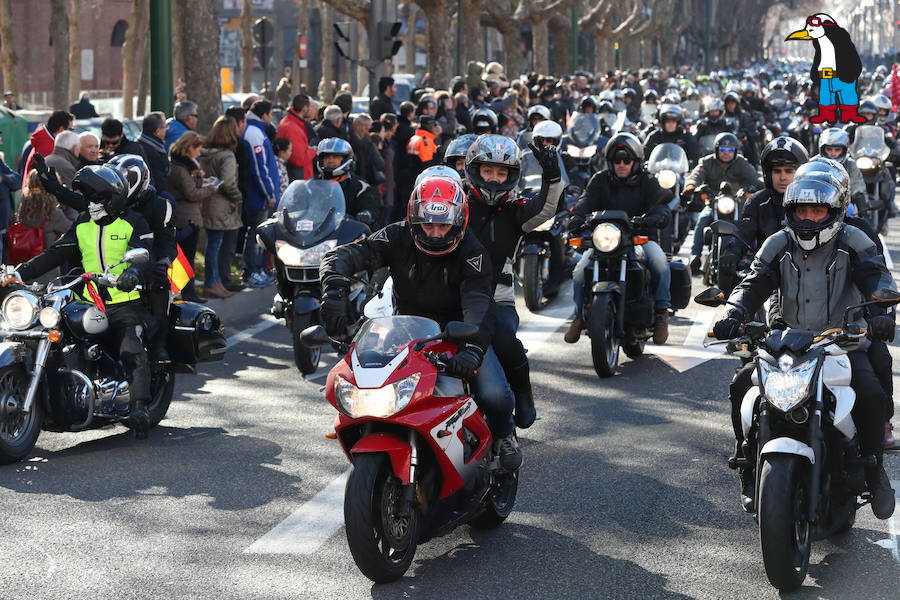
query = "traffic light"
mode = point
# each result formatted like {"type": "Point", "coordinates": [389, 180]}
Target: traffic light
{"type": "Point", "coordinates": [342, 41]}
{"type": "Point", "coordinates": [264, 36]}
{"type": "Point", "coordinates": [386, 43]}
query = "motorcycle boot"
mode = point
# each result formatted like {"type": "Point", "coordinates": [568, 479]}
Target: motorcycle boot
{"type": "Point", "coordinates": [520, 383]}
{"type": "Point", "coordinates": [508, 450]}
{"type": "Point", "coordinates": [139, 419]}
{"type": "Point", "coordinates": [661, 327]}
{"type": "Point", "coordinates": [883, 498]}
{"type": "Point", "coordinates": [890, 442]}
{"type": "Point", "coordinates": [573, 333]}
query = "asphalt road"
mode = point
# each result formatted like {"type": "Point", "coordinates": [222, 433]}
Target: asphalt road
{"type": "Point", "coordinates": [624, 494]}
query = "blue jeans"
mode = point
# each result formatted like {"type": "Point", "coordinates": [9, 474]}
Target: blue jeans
{"type": "Point", "coordinates": [834, 91]}
{"type": "Point", "coordinates": [703, 221]}
{"type": "Point", "coordinates": [213, 247]}
{"type": "Point", "coordinates": [493, 395]}
{"type": "Point", "coordinates": [253, 252]}
{"type": "Point", "coordinates": [508, 347]}
{"type": "Point", "coordinates": [660, 280]}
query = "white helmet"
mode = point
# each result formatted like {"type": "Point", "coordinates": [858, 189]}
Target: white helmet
{"type": "Point", "coordinates": [439, 171]}
{"type": "Point", "coordinates": [539, 110]}
{"type": "Point", "coordinates": [547, 130]}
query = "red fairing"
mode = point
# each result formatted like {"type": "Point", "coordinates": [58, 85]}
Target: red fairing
{"type": "Point", "coordinates": [398, 450]}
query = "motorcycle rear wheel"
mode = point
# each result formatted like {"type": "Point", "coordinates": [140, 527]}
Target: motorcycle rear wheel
{"type": "Point", "coordinates": [382, 543]}
{"type": "Point", "coordinates": [306, 359]}
{"type": "Point", "coordinates": [602, 329]}
{"type": "Point", "coordinates": [18, 432]}
{"type": "Point", "coordinates": [532, 282]}
{"type": "Point", "coordinates": [499, 503]}
{"type": "Point", "coordinates": [162, 388]}
{"type": "Point", "coordinates": [784, 534]}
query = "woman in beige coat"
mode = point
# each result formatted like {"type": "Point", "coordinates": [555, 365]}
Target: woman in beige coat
{"type": "Point", "coordinates": [187, 184]}
{"type": "Point", "coordinates": [221, 210]}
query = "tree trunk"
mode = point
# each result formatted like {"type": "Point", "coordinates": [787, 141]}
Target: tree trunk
{"type": "Point", "coordinates": [246, 47]}
{"type": "Point", "coordinates": [131, 65]}
{"type": "Point", "coordinates": [540, 46]}
{"type": "Point", "coordinates": [59, 33]}
{"type": "Point", "coordinates": [74, 50]}
{"type": "Point", "coordinates": [8, 58]}
{"type": "Point", "coordinates": [362, 53]}
{"type": "Point", "coordinates": [409, 38]}
{"type": "Point", "coordinates": [178, 40]}
{"type": "Point", "coordinates": [325, 92]}
{"type": "Point", "coordinates": [560, 32]}
{"type": "Point", "coordinates": [473, 40]}
{"type": "Point", "coordinates": [144, 83]}
{"type": "Point", "coordinates": [437, 16]}
{"type": "Point", "coordinates": [201, 75]}
{"type": "Point", "coordinates": [512, 50]}
{"type": "Point", "coordinates": [296, 72]}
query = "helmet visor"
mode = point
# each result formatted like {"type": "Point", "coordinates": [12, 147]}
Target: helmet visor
{"type": "Point", "coordinates": [813, 192]}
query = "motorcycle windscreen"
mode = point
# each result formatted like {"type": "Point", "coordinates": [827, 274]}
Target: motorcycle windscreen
{"type": "Point", "coordinates": [668, 157]}
{"type": "Point", "coordinates": [707, 144]}
{"type": "Point", "coordinates": [381, 339]}
{"type": "Point", "coordinates": [311, 210]}
{"type": "Point", "coordinates": [532, 173]}
{"type": "Point", "coordinates": [869, 142]}
{"type": "Point", "coordinates": [584, 129]}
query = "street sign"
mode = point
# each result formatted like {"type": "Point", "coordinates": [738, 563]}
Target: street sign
{"type": "Point", "coordinates": [301, 46]}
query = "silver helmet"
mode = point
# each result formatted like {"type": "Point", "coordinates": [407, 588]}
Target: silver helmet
{"type": "Point", "coordinates": [822, 182]}
{"type": "Point", "coordinates": [498, 150]}
{"type": "Point", "coordinates": [334, 146]}
{"type": "Point", "coordinates": [834, 136]}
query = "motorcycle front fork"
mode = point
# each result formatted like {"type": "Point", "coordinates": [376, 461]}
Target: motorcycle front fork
{"type": "Point", "coordinates": [40, 361]}
{"type": "Point", "coordinates": [409, 491]}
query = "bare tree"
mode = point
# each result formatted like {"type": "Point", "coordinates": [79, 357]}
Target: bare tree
{"type": "Point", "coordinates": [357, 10]}
{"type": "Point", "coordinates": [8, 58]}
{"type": "Point", "coordinates": [131, 60]}
{"type": "Point", "coordinates": [501, 16]}
{"type": "Point", "coordinates": [296, 72]}
{"type": "Point", "coordinates": [472, 40]}
{"type": "Point", "coordinates": [437, 16]}
{"type": "Point", "coordinates": [201, 73]}
{"type": "Point", "coordinates": [409, 12]}
{"type": "Point", "coordinates": [59, 34]}
{"type": "Point", "coordinates": [178, 37]}
{"type": "Point", "coordinates": [246, 47]}
{"type": "Point", "coordinates": [74, 49]}
{"type": "Point", "coordinates": [537, 13]}
{"type": "Point", "coordinates": [325, 92]}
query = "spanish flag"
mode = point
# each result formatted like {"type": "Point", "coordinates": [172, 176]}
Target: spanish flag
{"type": "Point", "coordinates": [180, 272]}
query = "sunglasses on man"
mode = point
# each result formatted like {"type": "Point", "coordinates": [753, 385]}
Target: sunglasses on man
{"type": "Point", "coordinates": [622, 161]}
{"type": "Point", "coordinates": [726, 148]}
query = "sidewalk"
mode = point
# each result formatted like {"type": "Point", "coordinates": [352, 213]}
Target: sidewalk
{"type": "Point", "coordinates": [244, 308]}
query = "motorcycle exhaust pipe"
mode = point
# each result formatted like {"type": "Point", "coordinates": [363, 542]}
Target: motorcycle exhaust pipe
{"type": "Point", "coordinates": [90, 385]}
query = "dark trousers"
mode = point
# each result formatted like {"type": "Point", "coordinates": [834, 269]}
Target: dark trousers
{"type": "Point", "coordinates": [508, 347]}
{"type": "Point", "coordinates": [127, 333]}
{"type": "Point", "coordinates": [226, 253]}
{"type": "Point", "coordinates": [880, 357]}
{"type": "Point", "coordinates": [189, 247]}
{"type": "Point", "coordinates": [868, 412]}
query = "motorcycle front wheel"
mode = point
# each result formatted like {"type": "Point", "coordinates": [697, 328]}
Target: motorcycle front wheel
{"type": "Point", "coordinates": [533, 282]}
{"type": "Point", "coordinates": [18, 431]}
{"type": "Point", "coordinates": [382, 542]}
{"type": "Point", "coordinates": [306, 359]}
{"type": "Point", "coordinates": [602, 329]}
{"type": "Point", "coordinates": [783, 530]}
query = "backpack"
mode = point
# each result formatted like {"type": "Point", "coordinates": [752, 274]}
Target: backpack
{"type": "Point", "coordinates": [24, 242]}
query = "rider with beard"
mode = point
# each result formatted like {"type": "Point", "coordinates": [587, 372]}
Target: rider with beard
{"type": "Point", "coordinates": [99, 237]}
{"type": "Point", "coordinates": [817, 267]}
{"type": "Point", "coordinates": [626, 186]}
{"type": "Point", "coordinates": [671, 131]}
{"type": "Point", "coordinates": [725, 164]}
{"type": "Point", "coordinates": [499, 218]}
{"type": "Point", "coordinates": [440, 271]}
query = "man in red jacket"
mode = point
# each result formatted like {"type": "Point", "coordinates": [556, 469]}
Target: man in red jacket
{"type": "Point", "coordinates": [293, 127]}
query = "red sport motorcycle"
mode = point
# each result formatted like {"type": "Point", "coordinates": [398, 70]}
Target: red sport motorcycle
{"type": "Point", "coordinates": [422, 452]}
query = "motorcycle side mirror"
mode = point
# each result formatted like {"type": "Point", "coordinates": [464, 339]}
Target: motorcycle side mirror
{"type": "Point", "coordinates": [314, 336]}
{"type": "Point", "coordinates": [711, 297]}
{"type": "Point", "coordinates": [886, 297]}
{"type": "Point", "coordinates": [725, 188]}
{"type": "Point", "coordinates": [460, 332]}
{"type": "Point", "coordinates": [724, 227]}
{"type": "Point", "coordinates": [137, 256]}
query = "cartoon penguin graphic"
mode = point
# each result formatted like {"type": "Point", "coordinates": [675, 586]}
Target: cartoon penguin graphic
{"type": "Point", "coordinates": [835, 68]}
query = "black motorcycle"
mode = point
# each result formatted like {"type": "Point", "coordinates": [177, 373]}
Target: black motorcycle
{"type": "Point", "coordinates": [618, 296]}
{"type": "Point", "coordinates": [669, 164]}
{"type": "Point", "coordinates": [583, 143]}
{"type": "Point", "coordinates": [870, 152]}
{"type": "Point", "coordinates": [310, 221]}
{"type": "Point", "coordinates": [57, 374]}
{"type": "Point", "coordinates": [725, 207]}
{"type": "Point", "coordinates": [800, 438]}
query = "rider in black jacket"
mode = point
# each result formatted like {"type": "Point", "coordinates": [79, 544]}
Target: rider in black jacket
{"type": "Point", "coordinates": [671, 131]}
{"type": "Point", "coordinates": [440, 271]}
{"type": "Point", "coordinates": [334, 161]}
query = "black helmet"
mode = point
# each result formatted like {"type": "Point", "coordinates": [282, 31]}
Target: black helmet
{"type": "Point", "coordinates": [484, 120]}
{"type": "Point", "coordinates": [105, 189]}
{"type": "Point", "coordinates": [732, 96]}
{"type": "Point", "coordinates": [457, 149]}
{"type": "Point", "coordinates": [629, 92]}
{"type": "Point", "coordinates": [136, 172]}
{"type": "Point", "coordinates": [334, 146]}
{"type": "Point", "coordinates": [625, 145]}
{"type": "Point", "coordinates": [651, 96]}
{"type": "Point", "coordinates": [728, 140]}
{"type": "Point", "coordinates": [867, 107]}
{"type": "Point", "coordinates": [605, 106]}
{"type": "Point", "coordinates": [782, 151]}
{"type": "Point", "coordinates": [588, 102]}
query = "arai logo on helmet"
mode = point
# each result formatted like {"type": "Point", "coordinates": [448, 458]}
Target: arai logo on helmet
{"type": "Point", "coordinates": [436, 209]}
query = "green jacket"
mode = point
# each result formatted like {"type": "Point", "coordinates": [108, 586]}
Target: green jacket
{"type": "Point", "coordinates": [94, 248]}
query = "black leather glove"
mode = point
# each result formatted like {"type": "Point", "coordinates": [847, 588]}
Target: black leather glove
{"type": "Point", "coordinates": [46, 174]}
{"type": "Point", "coordinates": [881, 327]}
{"type": "Point", "coordinates": [334, 312]}
{"type": "Point", "coordinates": [727, 329]}
{"type": "Point", "coordinates": [364, 217]}
{"type": "Point", "coordinates": [161, 273]}
{"type": "Point", "coordinates": [128, 280]}
{"type": "Point", "coordinates": [548, 158]}
{"type": "Point", "coordinates": [638, 222]}
{"type": "Point", "coordinates": [465, 363]}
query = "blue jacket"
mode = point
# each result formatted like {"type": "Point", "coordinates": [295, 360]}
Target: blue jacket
{"type": "Point", "coordinates": [264, 180]}
{"type": "Point", "coordinates": [10, 181]}
{"type": "Point", "coordinates": [176, 130]}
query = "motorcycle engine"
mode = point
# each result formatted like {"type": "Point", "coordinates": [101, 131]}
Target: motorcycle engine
{"type": "Point", "coordinates": [113, 396]}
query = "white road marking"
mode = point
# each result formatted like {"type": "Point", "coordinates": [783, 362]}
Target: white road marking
{"type": "Point", "coordinates": [893, 525]}
{"type": "Point", "coordinates": [266, 322]}
{"type": "Point", "coordinates": [691, 353]}
{"type": "Point", "coordinates": [310, 526]}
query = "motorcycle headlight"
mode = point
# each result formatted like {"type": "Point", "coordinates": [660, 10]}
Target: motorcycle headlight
{"type": "Point", "coordinates": [726, 205]}
{"type": "Point", "coordinates": [785, 385]}
{"type": "Point", "coordinates": [49, 317]}
{"type": "Point", "coordinates": [376, 402]}
{"type": "Point", "coordinates": [293, 256]}
{"type": "Point", "coordinates": [666, 178]}
{"type": "Point", "coordinates": [865, 163]}
{"type": "Point", "coordinates": [20, 309]}
{"type": "Point", "coordinates": [606, 237]}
